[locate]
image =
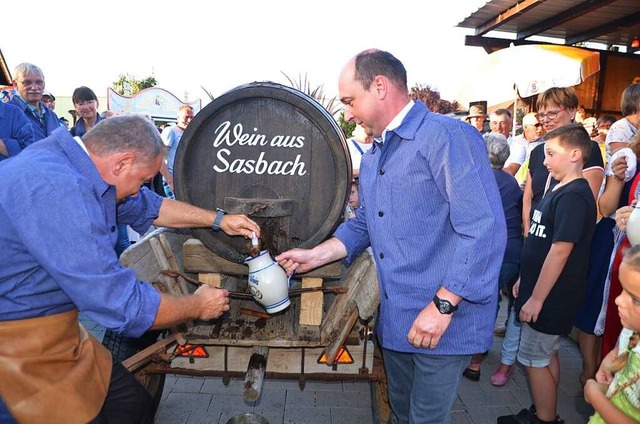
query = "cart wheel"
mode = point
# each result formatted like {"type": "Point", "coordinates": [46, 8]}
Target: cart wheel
{"type": "Point", "coordinates": [380, 408]}
{"type": "Point", "coordinates": [123, 347]}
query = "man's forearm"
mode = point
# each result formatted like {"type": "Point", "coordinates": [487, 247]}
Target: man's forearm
{"type": "Point", "coordinates": [176, 214]}
{"type": "Point", "coordinates": [176, 309]}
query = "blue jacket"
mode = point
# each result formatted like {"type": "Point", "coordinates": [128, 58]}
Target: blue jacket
{"type": "Point", "coordinates": [431, 211]}
{"type": "Point", "coordinates": [40, 130]}
{"type": "Point", "coordinates": [15, 129]}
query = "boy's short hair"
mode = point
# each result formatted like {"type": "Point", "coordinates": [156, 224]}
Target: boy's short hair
{"type": "Point", "coordinates": [573, 136]}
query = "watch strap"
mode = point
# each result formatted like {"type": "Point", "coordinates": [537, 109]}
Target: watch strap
{"type": "Point", "coordinates": [216, 222]}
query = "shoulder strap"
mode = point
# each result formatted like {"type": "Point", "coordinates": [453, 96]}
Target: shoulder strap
{"type": "Point", "coordinates": [355, 143]}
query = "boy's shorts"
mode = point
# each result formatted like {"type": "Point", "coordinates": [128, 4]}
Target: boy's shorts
{"type": "Point", "coordinates": [536, 348]}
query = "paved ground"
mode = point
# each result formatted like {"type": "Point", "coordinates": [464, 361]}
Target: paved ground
{"type": "Point", "coordinates": [196, 400]}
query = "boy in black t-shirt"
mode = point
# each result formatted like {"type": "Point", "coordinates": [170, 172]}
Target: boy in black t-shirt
{"type": "Point", "coordinates": [554, 269]}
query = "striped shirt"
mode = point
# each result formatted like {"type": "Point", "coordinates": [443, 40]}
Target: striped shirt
{"type": "Point", "coordinates": [431, 211]}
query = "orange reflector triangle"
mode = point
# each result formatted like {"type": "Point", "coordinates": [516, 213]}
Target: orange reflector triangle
{"type": "Point", "coordinates": [189, 350]}
{"type": "Point", "coordinates": [343, 357]}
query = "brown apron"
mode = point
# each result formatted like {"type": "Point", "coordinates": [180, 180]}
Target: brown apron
{"type": "Point", "coordinates": [52, 370]}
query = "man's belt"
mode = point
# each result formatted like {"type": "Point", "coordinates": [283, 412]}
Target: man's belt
{"type": "Point", "coordinates": [52, 370]}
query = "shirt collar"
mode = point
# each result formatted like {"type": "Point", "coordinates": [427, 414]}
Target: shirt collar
{"type": "Point", "coordinates": [81, 144]}
{"type": "Point", "coordinates": [37, 110]}
{"type": "Point", "coordinates": [395, 122]}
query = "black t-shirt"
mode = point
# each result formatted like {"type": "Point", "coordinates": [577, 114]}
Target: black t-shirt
{"type": "Point", "coordinates": [566, 214]}
{"type": "Point", "coordinates": [539, 172]}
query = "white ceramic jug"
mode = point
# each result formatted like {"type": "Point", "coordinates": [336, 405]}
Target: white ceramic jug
{"type": "Point", "coordinates": [268, 282]}
{"type": "Point", "coordinates": [633, 226]}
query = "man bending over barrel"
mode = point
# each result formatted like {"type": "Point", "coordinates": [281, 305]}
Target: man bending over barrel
{"type": "Point", "coordinates": [62, 197]}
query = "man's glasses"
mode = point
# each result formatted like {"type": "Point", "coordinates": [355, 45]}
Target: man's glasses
{"type": "Point", "coordinates": [550, 115]}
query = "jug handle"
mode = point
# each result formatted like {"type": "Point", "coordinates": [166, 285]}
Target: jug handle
{"type": "Point", "coordinates": [289, 279]}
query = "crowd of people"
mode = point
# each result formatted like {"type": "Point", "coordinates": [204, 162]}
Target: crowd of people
{"type": "Point", "coordinates": [452, 217]}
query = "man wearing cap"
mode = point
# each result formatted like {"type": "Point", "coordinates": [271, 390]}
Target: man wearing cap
{"type": "Point", "coordinates": [477, 116]}
{"type": "Point", "coordinates": [531, 137]}
{"type": "Point", "coordinates": [29, 85]}
{"type": "Point", "coordinates": [49, 100]}
{"type": "Point", "coordinates": [501, 122]}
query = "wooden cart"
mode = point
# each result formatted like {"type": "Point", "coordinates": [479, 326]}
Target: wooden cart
{"type": "Point", "coordinates": [246, 342]}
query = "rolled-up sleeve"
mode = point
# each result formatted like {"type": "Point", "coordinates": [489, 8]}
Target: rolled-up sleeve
{"type": "Point", "coordinates": [140, 211]}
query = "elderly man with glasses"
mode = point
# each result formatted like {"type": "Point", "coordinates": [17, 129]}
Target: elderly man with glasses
{"type": "Point", "coordinates": [29, 85]}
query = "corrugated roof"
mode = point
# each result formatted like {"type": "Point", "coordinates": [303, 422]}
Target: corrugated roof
{"type": "Point", "coordinates": [609, 22]}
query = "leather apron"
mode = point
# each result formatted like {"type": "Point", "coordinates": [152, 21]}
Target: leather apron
{"type": "Point", "coordinates": [52, 370]}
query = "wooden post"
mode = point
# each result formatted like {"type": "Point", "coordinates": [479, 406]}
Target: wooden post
{"type": "Point", "coordinates": [255, 373]}
{"type": "Point", "coordinates": [210, 278]}
{"type": "Point", "coordinates": [311, 306]}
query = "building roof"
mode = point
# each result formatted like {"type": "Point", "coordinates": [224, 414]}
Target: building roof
{"type": "Point", "coordinates": [609, 22]}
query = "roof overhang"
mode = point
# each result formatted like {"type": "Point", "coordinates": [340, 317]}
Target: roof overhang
{"type": "Point", "coordinates": [604, 24]}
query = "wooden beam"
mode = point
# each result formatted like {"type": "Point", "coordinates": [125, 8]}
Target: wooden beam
{"type": "Point", "coordinates": [210, 278]}
{"type": "Point", "coordinates": [507, 15]}
{"type": "Point", "coordinates": [607, 28]}
{"type": "Point", "coordinates": [311, 306]}
{"type": "Point", "coordinates": [197, 258]}
{"type": "Point", "coordinates": [564, 17]}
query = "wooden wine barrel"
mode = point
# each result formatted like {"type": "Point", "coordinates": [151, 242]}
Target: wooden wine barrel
{"type": "Point", "coordinates": [270, 152]}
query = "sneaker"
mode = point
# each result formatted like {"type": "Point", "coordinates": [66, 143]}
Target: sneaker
{"type": "Point", "coordinates": [500, 330]}
{"type": "Point", "coordinates": [523, 417]}
{"type": "Point", "coordinates": [500, 378]}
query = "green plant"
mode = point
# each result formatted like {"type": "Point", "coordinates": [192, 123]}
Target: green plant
{"type": "Point", "coordinates": [432, 99]}
{"type": "Point", "coordinates": [128, 85]}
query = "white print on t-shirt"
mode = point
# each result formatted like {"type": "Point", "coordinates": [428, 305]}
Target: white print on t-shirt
{"type": "Point", "coordinates": [537, 229]}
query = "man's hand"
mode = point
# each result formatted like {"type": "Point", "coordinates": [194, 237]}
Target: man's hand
{"type": "Point", "coordinates": [213, 301]}
{"type": "Point", "coordinates": [239, 225]}
{"type": "Point", "coordinates": [301, 260]}
{"type": "Point", "coordinates": [530, 310]}
{"type": "Point", "coordinates": [428, 327]}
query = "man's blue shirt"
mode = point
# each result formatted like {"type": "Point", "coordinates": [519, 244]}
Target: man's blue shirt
{"type": "Point", "coordinates": [431, 211]}
{"type": "Point", "coordinates": [15, 129]}
{"type": "Point", "coordinates": [58, 231]}
{"type": "Point", "coordinates": [42, 128]}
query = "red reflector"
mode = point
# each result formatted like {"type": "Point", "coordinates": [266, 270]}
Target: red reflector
{"type": "Point", "coordinates": [189, 350]}
{"type": "Point", "coordinates": [343, 357]}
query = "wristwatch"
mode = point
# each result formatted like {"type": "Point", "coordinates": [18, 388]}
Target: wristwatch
{"type": "Point", "coordinates": [216, 222]}
{"type": "Point", "coordinates": [444, 306]}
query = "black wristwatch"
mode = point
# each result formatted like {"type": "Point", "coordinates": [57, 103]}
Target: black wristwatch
{"type": "Point", "coordinates": [444, 306]}
{"type": "Point", "coordinates": [216, 222]}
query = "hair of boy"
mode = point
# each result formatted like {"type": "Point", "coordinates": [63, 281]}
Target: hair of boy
{"type": "Point", "coordinates": [630, 100]}
{"type": "Point", "coordinates": [573, 136]}
{"type": "Point", "coordinates": [184, 107]}
{"type": "Point", "coordinates": [498, 149]}
{"type": "Point", "coordinates": [565, 97]}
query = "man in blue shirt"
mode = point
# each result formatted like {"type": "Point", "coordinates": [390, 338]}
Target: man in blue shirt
{"type": "Point", "coordinates": [29, 85]}
{"type": "Point", "coordinates": [171, 137]}
{"type": "Point", "coordinates": [431, 211]}
{"type": "Point", "coordinates": [15, 131]}
{"type": "Point", "coordinates": [57, 232]}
